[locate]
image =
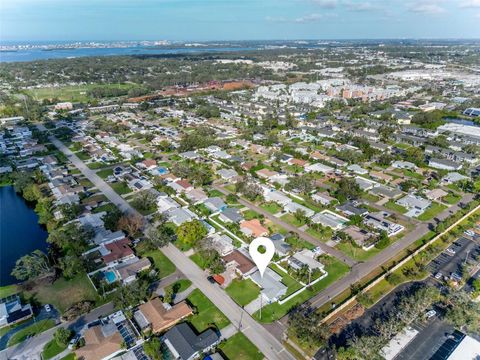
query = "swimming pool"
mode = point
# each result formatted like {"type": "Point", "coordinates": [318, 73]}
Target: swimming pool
{"type": "Point", "coordinates": [110, 276]}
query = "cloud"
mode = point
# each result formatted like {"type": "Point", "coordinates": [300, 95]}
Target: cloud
{"type": "Point", "coordinates": [361, 6]}
{"type": "Point", "coordinates": [470, 4]}
{"type": "Point", "coordinates": [309, 18]}
{"type": "Point", "coordinates": [326, 4]}
{"type": "Point", "coordinates": [428, 7]}
{"type": "Point", "coordinates": [277, 19]}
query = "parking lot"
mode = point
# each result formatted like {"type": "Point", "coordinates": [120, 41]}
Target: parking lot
{"type": "Point", "coordinates": [452, 260]}
{"type": "Point", "coordinates": [432, 334]}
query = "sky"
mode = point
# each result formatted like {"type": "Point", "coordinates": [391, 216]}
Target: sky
{"type": "Point", "coordinates": [201, 20]}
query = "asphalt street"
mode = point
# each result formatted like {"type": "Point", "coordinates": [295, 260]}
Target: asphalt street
{"type": "Point", "coordinates": [257, 334]}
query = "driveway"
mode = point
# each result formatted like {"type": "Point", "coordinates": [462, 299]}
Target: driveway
{"type": "Point", "coordinates": [41, 315]}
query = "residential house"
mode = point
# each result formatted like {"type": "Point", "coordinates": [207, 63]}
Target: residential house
{"type": "Point", "coordinates": [293, 207]}
{"type": "Point", "coordinates": [222, 243]}
{"type": "Point", "coordinates": [444, 164]}
{"type": "Point", "coordinates": [157, 317]}
{"type": "Point", "coordinates": [180, 215]}
{"type": "Point", "coordinates": [230, 215]}
{"type": "Point", "coordinates": [380, 222]}
{"type": "Point", "coordinates": [116, 251]}
{"type": "Point", "coordinates": [305, 258]}
{"type": "Point", "coordinates": [215, 204]}
{"type": "Point", "coordinates": [227, 174]}
{"type": "Point", "coordinates": [185, 344]}
{"type": "Point", "coordinates": [181, 186]}
{"type": "Point", "coordinates": [240, 262]}
{"type": "Point", "coordinates": [253, 228]}
{"type": "Point", "coordinates": [104, 341]}
{"type": "Point", "coordinates": [282, 248]}
{"type": "Point", "coordinates": [323, 198]}
{"type": "Point", "coordinates": [12, 311]}
{"type": "Point", "coordinates": [166, 203]}
{"type": "Point", "coordinates": [271, 284]}
{"type": "Point", "coordinates": [330, 219]}
{"type": "Point", "coordinates": [129, 270]}
{"type": "Point", "coordinates": [196, 196]}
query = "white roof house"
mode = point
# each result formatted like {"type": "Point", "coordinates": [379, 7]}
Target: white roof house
{"type": "Point", "coordinates": [318, 167]}
{"type": "Point", "coordinates": [271, 283]}
{"type": "Point", "coordinates": [293, 207]}
{"type": "Point", "coordinates": [305, 257]}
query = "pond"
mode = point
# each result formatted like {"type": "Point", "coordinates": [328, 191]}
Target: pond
{"type": "Point", "coordinates": [20, 232]}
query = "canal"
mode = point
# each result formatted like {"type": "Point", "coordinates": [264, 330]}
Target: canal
{"type": "Point", "coordinates": [20, 232]}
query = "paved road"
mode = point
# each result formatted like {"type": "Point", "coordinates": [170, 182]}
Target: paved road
{"type": "Point", "coordinates": [306, 236]}
{"type": "Point", "coordinates": [92, 176]}
{"type": "Point", "coordinates": [361, 270]}
{"type": "Point", "coordinates": [266, 342]}
{"type": "Point", "coordinates": [32, 348]}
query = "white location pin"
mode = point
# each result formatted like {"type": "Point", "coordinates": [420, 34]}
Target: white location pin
{"type": "Point", "coordinates": [261, 260]}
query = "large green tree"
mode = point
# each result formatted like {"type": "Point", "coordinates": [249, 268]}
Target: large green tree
{"type": "Point", "coordinates": [191, 232]}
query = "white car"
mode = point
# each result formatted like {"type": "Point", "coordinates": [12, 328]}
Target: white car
{"type": "Point", "coordinates": [469, 233]}
{"type": "Point", "coordinates": [48, 308]}
{"type": "Point", "coordinates": [438, 275]}
{"type": "Point", "coordinates": [450, 251]}
{"type": "Point", "coordinates": [72, 342]}
{"type": "Point", "coordinates": [430, 314]}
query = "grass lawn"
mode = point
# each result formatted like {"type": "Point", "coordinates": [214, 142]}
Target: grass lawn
{"type": "Point", "coordinates": [432, 211]}
{"type": "Point", "coordinates": [64, 293]}
{"type": "Point", "coordinates": [451, 198]}
{"type": "Point", "coordinates": [105, 173]}
{"type": "Point", "coordinates": [215, 193]}
{"type": "Point", "coordinates": [395, 207]}
{"type": "Point", "coordinates": [8, 290]}
{"type": "Point", "coordinates": [370, 197]}
{"type": "Point", "coordinates": [243, 291]}
{"type": "Point", "coordinates": [51, 349]}
{"type": "Point", "coordinates": [107, 207]}
{"type": "Point", "coordinates": [238, 347]}
{"type": "Point", "coordinates": [323, 236]}
{"type": "Point", "coordinates": [163, 265]}
{"type": "Point", "coordinates": [97, 165]}
{"type": "Point", "coordinates": [335, 268]}
{"type": "Point", "coordinates": [70, 356]}
{"type": "Point", "coordinates": [413, 174]}
{"type": "Point", "coordinates": [290, 219]}
{"type": "Point", "coordinates": [82, 155]}
{"type": "Point", "coordinates": [32, 330]}
{"type": "Point", "coordinates": [271, 207]}
{"type": "Point", "coordinates": [207, 314]}
{"type": "Point", "coordinates": [250, 214]}
{"type": "Point", "coordinates": [75, 93]}
{"type": "Point", "coordinates": [357, 253]}
{"type": "Point", "coordinates": [141, 210]}
{"type": "Point", "coordinates": [199, 260]}
{"type": "Point", "coordinates": [180, 285]}
{"type": "Point", "coordinates": [121, 188]}
{"type": "Point", "coordinates": [298, 243]}
{"type": "Point", "coordinates": [292, 284]}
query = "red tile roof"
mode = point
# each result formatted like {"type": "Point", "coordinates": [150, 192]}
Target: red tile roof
{"type": "Point", "coordinates": [118, 250]}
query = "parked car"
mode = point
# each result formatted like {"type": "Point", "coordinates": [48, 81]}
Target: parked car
{"type": "Point", "coordinates": [430, 314]}
{"type": "Point", "coordinates": [450, 251]}
{"type": "Point", "coordinates": [48, 308]}
{"type": "Point", "coordinates": [74, 340]}
{"type": "Point", "coordinates": [469, 233]}
{"type": "Point", "coordinates": [438, 275]}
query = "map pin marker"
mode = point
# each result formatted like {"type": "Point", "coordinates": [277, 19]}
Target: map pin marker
{"type": "Point", "coordinates": [261, 260]}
